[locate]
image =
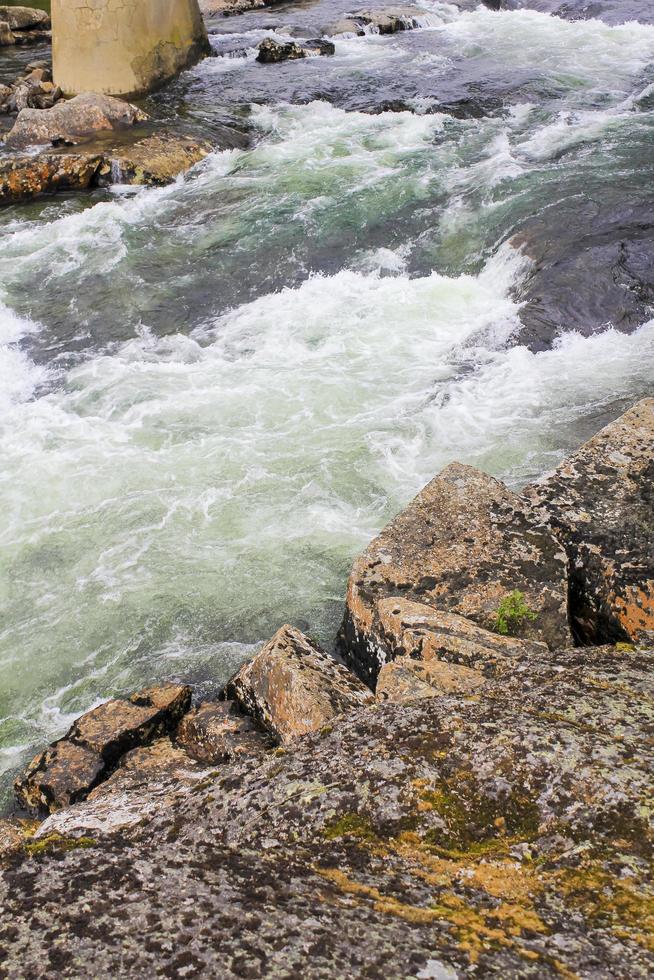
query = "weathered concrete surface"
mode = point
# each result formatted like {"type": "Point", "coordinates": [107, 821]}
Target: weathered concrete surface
{"type": "Point", "coordinates": [600, 502]}
{"type": "Point", "coordinates": [461, 546]}
{"type": "Point", "coordinates": [293, 687]}
{"type": "Point", "coordinates": [86, 113]}
{"type": "Point", "coordinates": [504, 836]}
{"type": "Point", "coordinates": [71, 767]}
{"type": "Point", "coordinates": [217, 732]}
{"type": "Point", "coordinates": [124, 48]}
{"type": "Point", "coordinates": [405, 679]}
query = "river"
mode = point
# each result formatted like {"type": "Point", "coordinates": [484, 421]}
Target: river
{"type": "Point", "coordinates": [437, 246]}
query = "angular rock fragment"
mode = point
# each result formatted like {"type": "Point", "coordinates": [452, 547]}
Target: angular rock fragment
{"type": "Point", "coordinates": [293, 687]}
{"type": "Point", "coordinates": [402, 628]}
{"type": "Point", "coordinates": [69, 768]}
{"type": "Point", "coordinates": [215, 732]}
{"type": "Point", "coordinates": [271, 51]}
{"type": "Point", "coordinates": [24, 178]}
{"type": "Point", "coordinates": [86, 113]}
{"type": "Point", "coordinates": [600, 503]}
{"type": "Point", "coordinates": [154, 160]}
{"type": "Point", "coordinates": [405, 680]}
{"type": "Point", "coordinates": [463, 545]}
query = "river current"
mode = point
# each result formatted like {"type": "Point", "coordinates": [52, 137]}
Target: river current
{"type": "Point", "coordinates": [435, 246]}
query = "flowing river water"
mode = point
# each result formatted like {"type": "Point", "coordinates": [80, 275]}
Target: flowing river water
{"type": "Point", "coordinates": [436, 246]}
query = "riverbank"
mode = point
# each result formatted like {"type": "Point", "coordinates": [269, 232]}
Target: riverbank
{"type": "Point", "coordinates": [483, 814]}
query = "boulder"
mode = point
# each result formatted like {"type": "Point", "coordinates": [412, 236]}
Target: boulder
{"type": "Point", "coordinates": [600, 503]}
{"type": "Point", "coordinates": [12, 837]}
{"type": "Point", "coordinates": [24, 178]}
{"type": "Point", "coordinates": [7, 37]}
{"type": "Point", "coordinates": [154, 160]}
{"type": "Point", "coordinates": [388, 20]}
{"type": "Point", "coordinates": [464, 545]}
{"type": "Point", "coordinates": [216, 732]}
{"type": "Point", "coordinates": [293, 687]}
{"type": "Point", "coordinates": [71, 767]}
{"type": "Point", "coordinates": [25, 18]}
{"type": "Point", "coordinates": [272, 51]}
{"type": "Point", "coordinates": [147, 780]}
{"type": "Point", "coordinates": [507, 835]}
{"type": "Point", "coordinates": [405, 680]}
{"type": "Point", "coordinates": [85, 114]}
{"type": "Point", "coordinates": [402, 628]}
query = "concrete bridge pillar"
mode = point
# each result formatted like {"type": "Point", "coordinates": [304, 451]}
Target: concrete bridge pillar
{"type": "Point", "coordinates": [124, 47]}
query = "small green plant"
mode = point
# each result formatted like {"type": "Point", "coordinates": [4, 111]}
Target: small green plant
{"type": "Point", "coordinates": [513, 613]}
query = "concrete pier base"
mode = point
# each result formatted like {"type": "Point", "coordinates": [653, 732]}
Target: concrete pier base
{"type": "Point", "coordinates": [124, 47]}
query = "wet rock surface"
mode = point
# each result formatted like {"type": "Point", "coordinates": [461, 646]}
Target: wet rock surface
{"type": "Point", "coordinates": [272, 51]}
{"type": "Point", "coordinates": [293, 687]}
{"type": "Point", "coordinates": [155, 160]}
{"type": "Point", "coordinates": [600, 502]}
{"type": "Point", "coordinates": [34, 89]}
{"type": "Point", "coordinates": [503, 835]}
{"type": "Point", "coordinates": [24, 178]}
{"type": "Point", "coordinates": [461, 546]}
{"type": "Point", "coordinates": [71, 767]}
{"type": "Point", "coordinates": [84, 114]}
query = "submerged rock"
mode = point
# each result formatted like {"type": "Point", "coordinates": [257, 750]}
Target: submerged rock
{"type": "Point", "coordinates": [216, 732]}
{"type": "Point", "coordinates": [405, 679]}
{"type": "Point", "coordinates": [272, 51]}
{"type": "Point", "coordinates": [503, 835]}
{"type": "Point", "coordinates": [600, 503]}
{"type": "Point", "coordinates": [86, 113]}
{"type": "Point", "coordinates": [71, 767]}
{"type": "Point", "coordinates": [293, 687]}
{"type": "Point", "coordinates": [463, 545]}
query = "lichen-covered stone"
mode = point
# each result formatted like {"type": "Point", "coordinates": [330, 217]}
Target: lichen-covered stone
{"type": "Point", "coordinates": [24, 178]}
{"type": "Point", "coordinates": [405, 679]}
{"type": "Point", "coordinates": [154, 160]}
{"type": "Point", "coordinates": [71, 767]}
{"type": "Point", "coordinates": [25, 18]}
{"type": "Point", "coordinates": [506, 835]}
{"type": "Point", "coordinates": [461, 546]}
{"type": "Point", "coordinates": [293, 687]}
{"type": "Point", "coordinates": [388, 20]}
{"type": "Point", "coordinates": [86, 113]}
{"type": "Point", "coordinates": [216, 732]}
{"type": "Point", "coordinates": [600, 502]}
{"type": "Point", "coordinates": [402, 628]}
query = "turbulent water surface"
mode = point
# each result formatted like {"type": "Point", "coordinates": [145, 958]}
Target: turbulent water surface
{"type": "Point", "coordinates": [437, 246]}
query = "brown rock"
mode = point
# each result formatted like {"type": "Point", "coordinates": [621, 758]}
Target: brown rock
{"type": "Point", "coordinates": [600, 503]}
{"type": "Point", "coordinates": [462, 546]}
{"type": "Point", "coordinates": [24, 178]}
{"type": "Point", "coordinates": [405, 679]}
{"type": "Point", "coordinates": [7, 38]}
{"type": "Point", "coordinates": [293, 687]}
{"type": "Point", "coordinates": [12, 836]}
{"type": "Point", "coordinates": [25, 18]}
{"type": "Point", "coordinates": [69, 768]}
{"type": "Point", "coordinates": [271, 51]}
{"type": "Point", "coordinates": [86, 113]}
{"type": "Point", "coordinates": [402, 628]}
{"type": "Point", "coordinates": [216, 732]}
{"type": "Point", "coordinates": [154, 160]}
{"type": "Point", "coordinates": [147, 781]}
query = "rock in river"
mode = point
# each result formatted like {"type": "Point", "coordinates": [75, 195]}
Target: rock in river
{"type": "Point", "coordinates": [69, 768]}
{"type": "Point", "coordinates": [86, 113]}
{"type": "Point", "coordinates": [600, 502]}
{"type": "Point", "coordinates": [293, 687]}
{"type": "Point", "coordinates": [463, 545]}
{"type": "Point", "coordinates": [154, 160]}
{"type": "Point", "coordinates": [24, 178]}
{"type": "Point", "coordinates": [272, 51]}
{"type": "Point", "coordinates": [25, 18]}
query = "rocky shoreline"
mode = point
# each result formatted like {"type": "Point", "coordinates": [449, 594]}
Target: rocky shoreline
{"type": "Point", "coordinates": [473, 797]}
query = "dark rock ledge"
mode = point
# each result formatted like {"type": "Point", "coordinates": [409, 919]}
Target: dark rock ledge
{"type": "Point", "coordinates": [487, 813]}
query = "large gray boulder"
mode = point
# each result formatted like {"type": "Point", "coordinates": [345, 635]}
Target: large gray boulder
{"type": "Point", "coordinates": [68, 120]}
